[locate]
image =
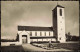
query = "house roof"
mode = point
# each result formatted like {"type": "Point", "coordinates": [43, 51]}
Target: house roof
{"type": "Point", "coordinates": [34, 28]}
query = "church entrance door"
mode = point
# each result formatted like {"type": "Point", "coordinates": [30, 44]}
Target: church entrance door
{"type": "Point", "coordinates": [24, 38]}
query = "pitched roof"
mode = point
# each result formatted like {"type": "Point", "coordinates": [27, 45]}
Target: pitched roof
{"type": "Point", "coordinates": [60, 6]}
{"type": "Point", "coordinates": [34, 28]}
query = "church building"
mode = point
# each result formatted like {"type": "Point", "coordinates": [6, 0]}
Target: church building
{"type": "Point", "coordinates": [31, 34]}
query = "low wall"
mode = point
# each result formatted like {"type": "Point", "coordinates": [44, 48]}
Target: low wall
{"type": "Point", "coordinates": [9, 43]}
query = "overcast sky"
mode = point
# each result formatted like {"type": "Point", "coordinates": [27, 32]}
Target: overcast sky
{"type": "Point", "coordinates": [36, 13]}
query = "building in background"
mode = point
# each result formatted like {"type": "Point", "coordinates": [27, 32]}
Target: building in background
{"type": "Point", "coordinates": [29, 34]}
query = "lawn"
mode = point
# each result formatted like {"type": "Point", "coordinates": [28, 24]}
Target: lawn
{"type": "Point", "coordinates": [28, 47]}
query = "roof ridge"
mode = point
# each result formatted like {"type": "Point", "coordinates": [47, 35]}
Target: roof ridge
{"type": "Point", "coordinates": [32, 26]}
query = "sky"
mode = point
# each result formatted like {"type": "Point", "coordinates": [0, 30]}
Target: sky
{"type": "Point", "coordinates": [36, 13]}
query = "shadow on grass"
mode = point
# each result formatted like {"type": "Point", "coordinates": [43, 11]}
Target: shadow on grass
{"type": "Point", "coordinates": [12, 49]}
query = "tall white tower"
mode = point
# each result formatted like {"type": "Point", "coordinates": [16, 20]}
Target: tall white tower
{"type": "Point", "coordinates": [59, 23]}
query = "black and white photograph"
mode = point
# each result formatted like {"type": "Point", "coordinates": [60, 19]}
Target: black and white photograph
{"type": "Point", "coordinates": [39, 26]}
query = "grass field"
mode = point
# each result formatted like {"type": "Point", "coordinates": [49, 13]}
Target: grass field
{"type": "Point", "coordinates": [71, 47]}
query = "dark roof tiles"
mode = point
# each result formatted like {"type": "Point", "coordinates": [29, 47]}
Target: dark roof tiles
{"type": "Point", "coordinates": [33, 28]}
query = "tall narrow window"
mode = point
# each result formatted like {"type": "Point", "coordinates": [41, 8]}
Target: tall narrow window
{"type": "Point", "coordinates": [60, 21]}
{"type": "Point", "coordinates": [30, 33]}
{"type": "Point", "coordinates": [49, 33]}
{"type": "Point", "coordinates": [40, 33]}
{"type": "Point", "coordinates": [60, 38]}
{"type": "Point", "coordinates": [45, 33]}
{"type": "Point", "coordinates": [60, 12]}
{"type": "Point", "coordinates": [35, 33]}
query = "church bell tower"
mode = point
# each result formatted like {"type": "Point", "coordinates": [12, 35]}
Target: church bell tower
{"type": "Point", "coordinates": [59, 23]}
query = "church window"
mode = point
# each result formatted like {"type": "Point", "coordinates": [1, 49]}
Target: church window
{"type": "Point", "coordinates": [60, 38]}
{"type": "Point", "coordinates": [30, 33]}
{"type": "Point", "coordinates": [40, 34]}
{"type": "Point", "coordinates": [61, 28]}
{"type": "Point", "coordinates": [49, 33]}
{"type": "Point", "coordinates": [60, 12]}
{"type": "Point", "coordinates": [59, 34]}
{"type": "Point", "coordinates": [45, 33]}
{"type": "Point", "coordinates": [35, 33]}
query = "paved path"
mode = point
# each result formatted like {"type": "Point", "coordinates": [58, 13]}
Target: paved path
{"type": "Point", "coordinates": [29, 47]}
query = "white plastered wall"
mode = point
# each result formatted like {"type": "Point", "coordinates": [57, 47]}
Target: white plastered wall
{"type": "Point", "coordinates": [24, 33]}
{"type": "Point", "coordinates": [61, 25]}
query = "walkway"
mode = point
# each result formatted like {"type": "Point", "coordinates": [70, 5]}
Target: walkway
{"type": "Point", "coordinates": [29, 47]}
